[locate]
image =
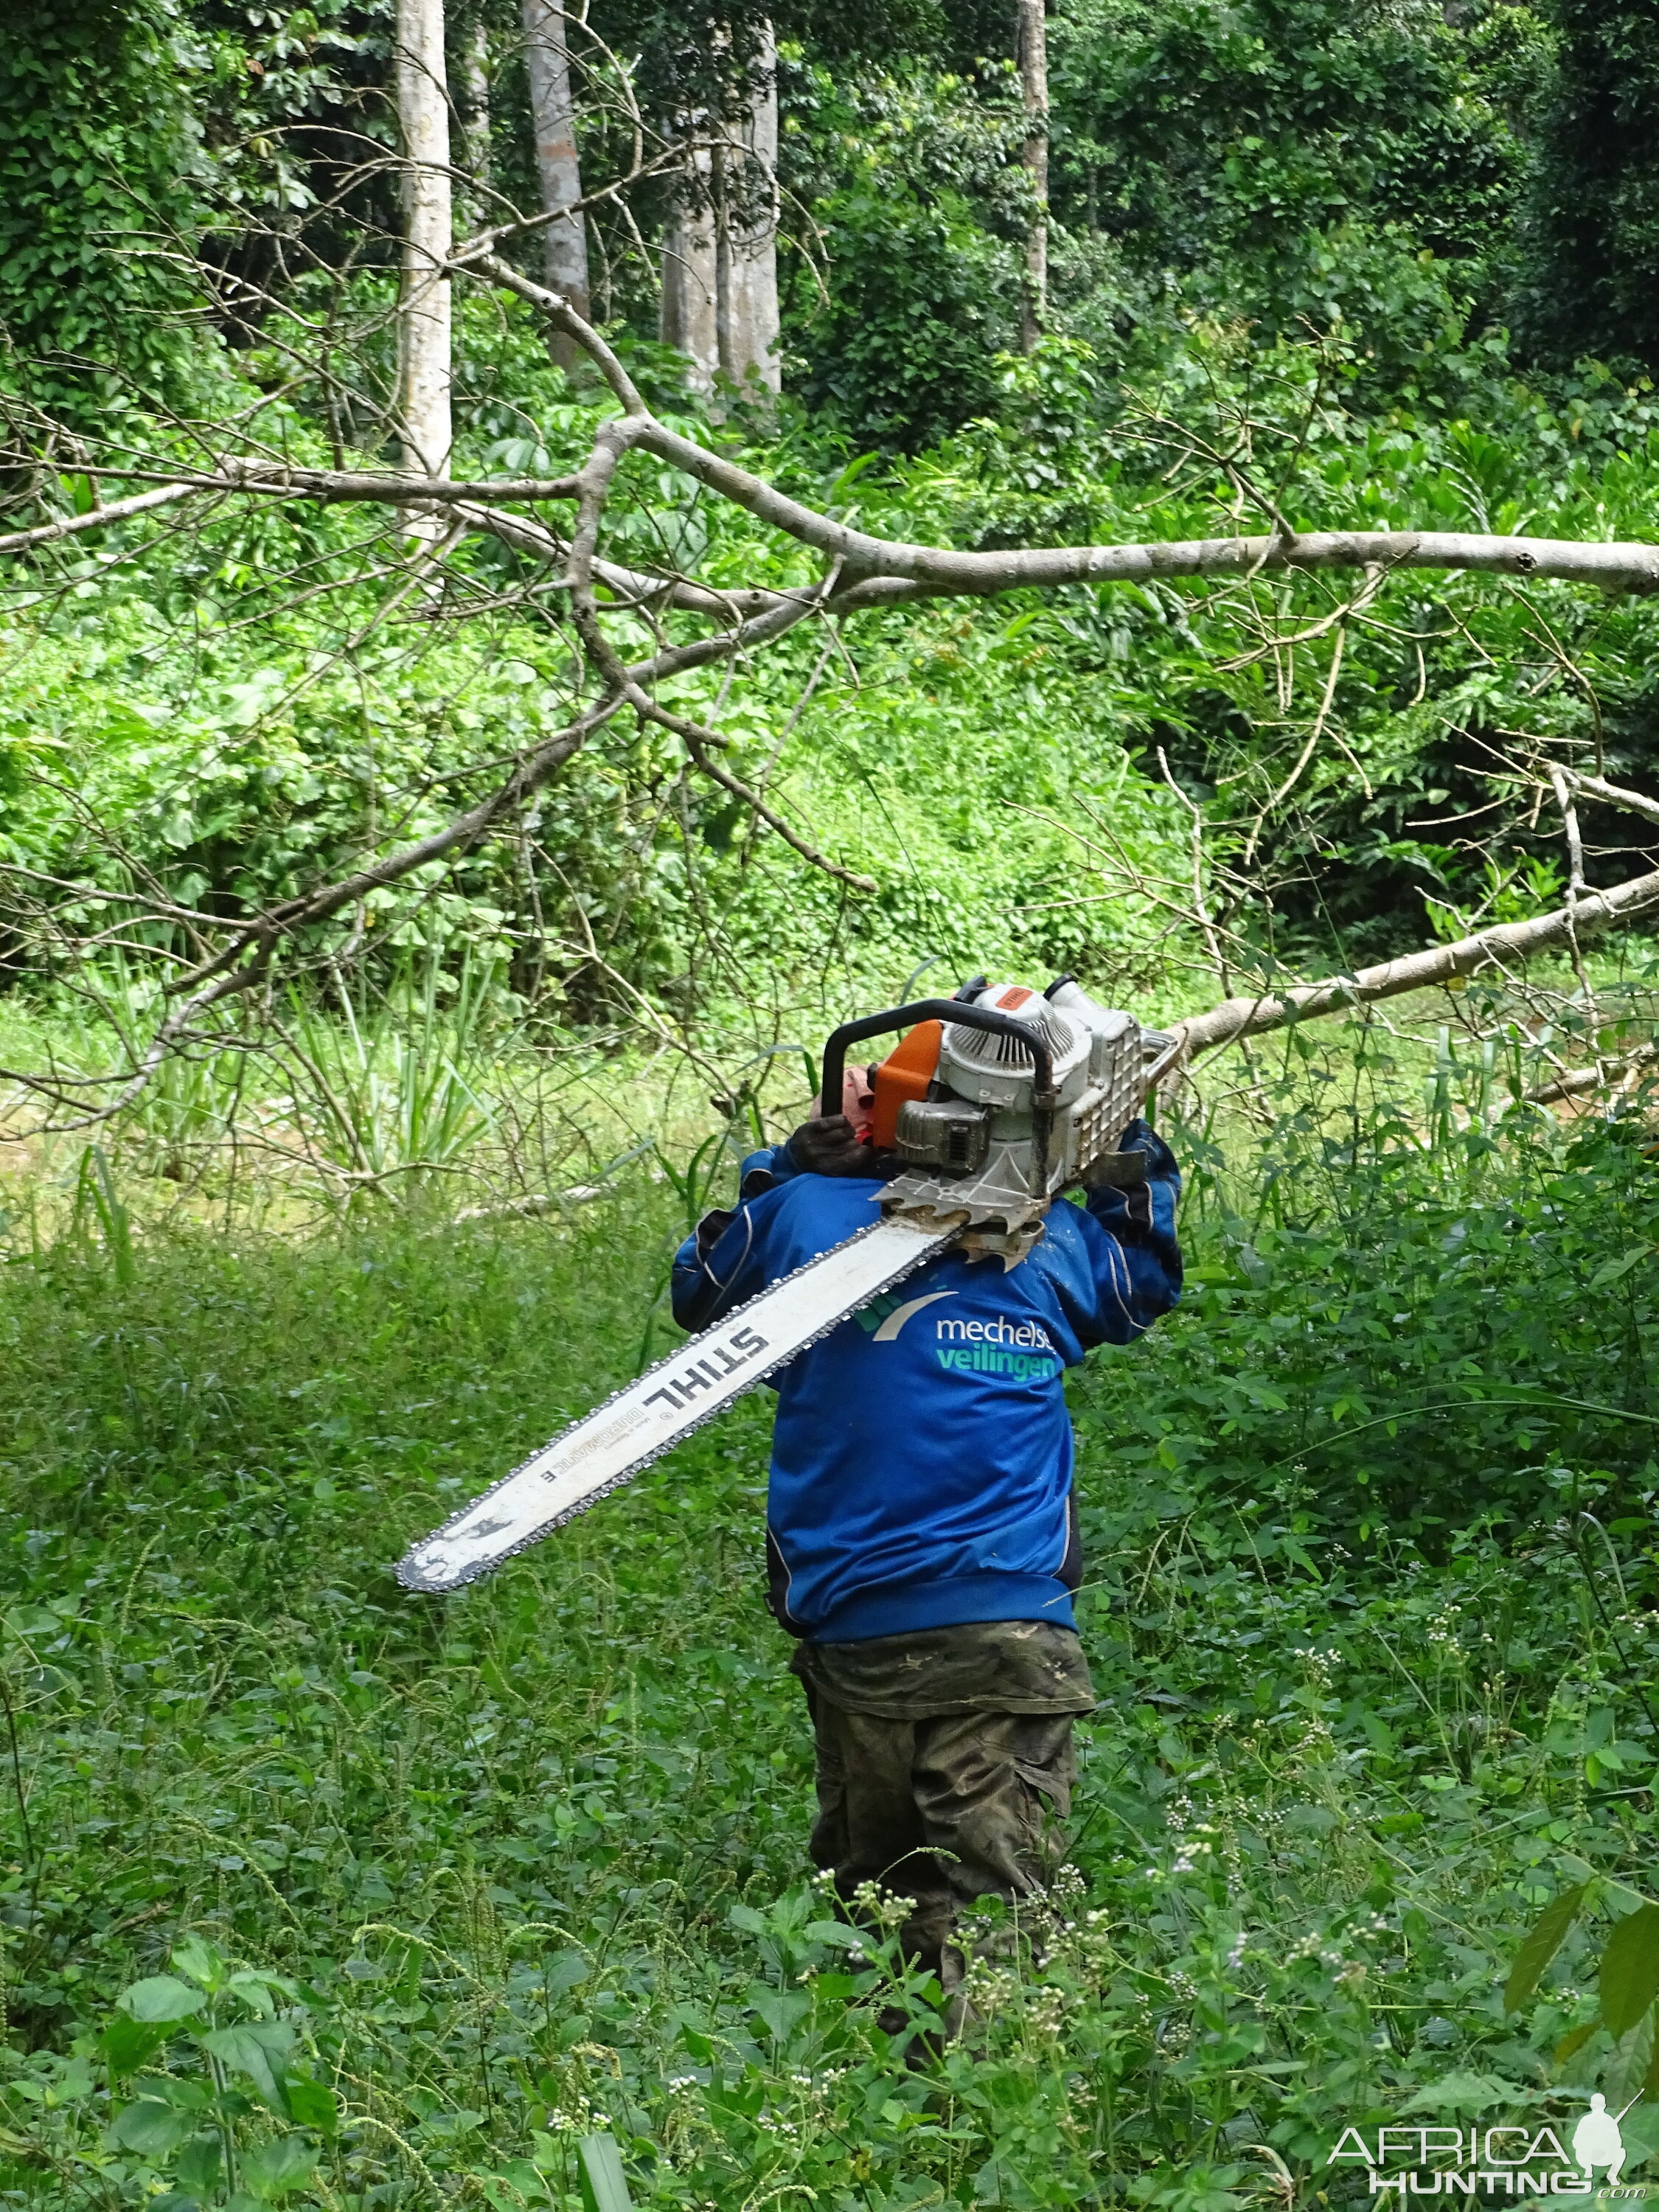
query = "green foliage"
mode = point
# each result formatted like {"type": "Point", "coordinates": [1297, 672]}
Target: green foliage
{"type": "Point", "coordinates": [1224, 139]}
{"type": "Point", "coordinates": [98, 163]}
{"type": "Point", "coordinates": [911, 185]}
{"type": "Point", "coordinates": [1289, 162]}
{"type": "Point", "coordinates": [1596, 217]}
{"type": "Point", "coordinates": [1416, 1332]}
{"type": "Point", "coordinates": [327, 1897]}
{"type": "Point", "coordinates": [246, 755]}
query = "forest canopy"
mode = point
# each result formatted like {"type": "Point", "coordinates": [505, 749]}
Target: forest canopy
{"type": "Point", "coordinates": [1296, 266]}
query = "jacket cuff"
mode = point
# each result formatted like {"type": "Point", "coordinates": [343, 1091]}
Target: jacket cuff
{"type": "Point", "coordinates": [764, 1170]}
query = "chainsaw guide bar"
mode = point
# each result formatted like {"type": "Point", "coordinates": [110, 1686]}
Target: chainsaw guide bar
{"type": "Point", "coordinates": [648, 1416]}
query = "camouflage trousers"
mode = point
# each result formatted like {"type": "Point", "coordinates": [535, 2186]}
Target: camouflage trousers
{"type": "Point", "coordinates": [943, 1810]}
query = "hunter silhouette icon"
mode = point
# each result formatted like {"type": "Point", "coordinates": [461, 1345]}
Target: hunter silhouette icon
{"type": "Point", "coordinates": [1596, 2139]}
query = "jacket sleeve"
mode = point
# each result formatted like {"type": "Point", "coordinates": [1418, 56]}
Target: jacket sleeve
{"type": "Point", "coordinates": [1138, 1259]}
{"type": "Point", "coordinates": [765, 1169]}
{"type": "Point", "coordinates": [717, 1267]}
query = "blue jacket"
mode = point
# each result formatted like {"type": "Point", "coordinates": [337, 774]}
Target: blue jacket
{"type": "Point", "coordinates": [922, 1460]}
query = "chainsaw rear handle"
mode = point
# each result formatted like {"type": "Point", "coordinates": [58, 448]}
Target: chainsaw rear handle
{"type": "Point", "coordinates": [1043, 1099]}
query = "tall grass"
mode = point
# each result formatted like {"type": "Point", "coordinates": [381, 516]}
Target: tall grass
{"type": "Point", "coordinates": [1368, 1606]}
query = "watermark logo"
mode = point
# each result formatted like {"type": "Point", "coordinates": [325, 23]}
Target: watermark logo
{"type": "Point", "coordinates": [1508, 2161]}
{"type": "Point", "coordinates": [1596, 2139]}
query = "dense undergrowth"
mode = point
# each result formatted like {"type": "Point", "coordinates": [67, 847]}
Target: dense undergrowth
{"type": "Point", "coordinates": [404, 1898]}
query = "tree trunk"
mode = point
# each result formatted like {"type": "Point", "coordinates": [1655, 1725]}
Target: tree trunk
{"type": "Point", "coordinates": [424, 307]}
{"type": "Point", "coordinates": [720, 262]}
{"type": "Point", "coordinates": [691, 281]}
{"type": "Point", "coordinates": [475, 105]}
{"type": "Point", "coordinates": [748, 236]}
{"type": "Point", "coordinates": [553, 113]}
{"type": "Point", "coordinates": [1034, 155]}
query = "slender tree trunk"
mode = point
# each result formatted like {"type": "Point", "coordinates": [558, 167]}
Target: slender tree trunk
{"type": "Point", "coordinates": [1034, 155]}
{"type": "Point", "coordinates": [424, 306]}
{"type": "Point", "coordinates": [749, 238]}
{"type": "Point", "coordinates": [553, 113]}
{"type": "Point", "coordinates": [475, 105]}
{"type": "Point", "coordinates": [720, 262]}
{"type": "Point", "coordinates": [725, 177]}
{"type": "Point", "coordinates": [691, 281]}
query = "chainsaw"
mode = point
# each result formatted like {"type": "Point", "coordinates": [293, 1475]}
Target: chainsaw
{"type": "Point", "coordinates": [995, 1103]}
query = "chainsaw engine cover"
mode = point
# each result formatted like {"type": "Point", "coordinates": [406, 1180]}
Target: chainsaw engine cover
{"type": "Point", "coordinates": [995, 1071]}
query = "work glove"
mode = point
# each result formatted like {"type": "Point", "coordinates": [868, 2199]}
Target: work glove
{"type": "Point", "coordinates": [826, 1145]}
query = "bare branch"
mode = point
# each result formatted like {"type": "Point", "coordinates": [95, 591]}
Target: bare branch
{"type": "Point", "coordinates": [1614, 567]}
{"type": "Point", "coordinates": [1488, 949]}
{"type": "Point", "coordinates": [565, 318]}
{"type": "Point", "coordinates": [142, 502]}
{"type": "Point", "coordinates": [1620, 1073]}
{"type": "Point", "coordinates": [756, 805]}
{"type": "Point", "coordinates": [1612, 795]}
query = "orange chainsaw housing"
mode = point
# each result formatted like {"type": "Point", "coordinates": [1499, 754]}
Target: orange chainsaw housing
{"type": "Point", "coordinates": [907, 1072]}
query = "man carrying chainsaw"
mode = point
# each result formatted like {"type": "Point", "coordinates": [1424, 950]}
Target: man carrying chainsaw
{"type": "Point", "coordinates": [921, 1527]}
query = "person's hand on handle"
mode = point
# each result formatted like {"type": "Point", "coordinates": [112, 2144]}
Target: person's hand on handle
{"type": "Point", "coordinates": [828, 1145]}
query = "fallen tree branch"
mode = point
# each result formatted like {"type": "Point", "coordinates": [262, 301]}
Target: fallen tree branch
{"type": "Point", "coordinates": [118, 510]}
{"type": "Point", "coordinates": [1506, 943]}
{"type": "Point", "coordinates": [1611, 794]}
{"type": "Point", "coordinates": [938, 570]}
{"type": "Point", "coordinates": [756, 805]}
{"type": "Point", "coordinates": [1620, 1074]}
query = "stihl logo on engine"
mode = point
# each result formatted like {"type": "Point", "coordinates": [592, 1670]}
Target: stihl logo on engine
{"type": "Point", "coordinates": [742, 1346]}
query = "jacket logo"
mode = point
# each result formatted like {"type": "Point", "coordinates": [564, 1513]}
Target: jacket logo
{"type": "Point", "coordinates": [901, 1315]}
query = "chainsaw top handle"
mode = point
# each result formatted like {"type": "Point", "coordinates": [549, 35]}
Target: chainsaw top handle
{"type": "Point", "coordinates": [1044, 1100]}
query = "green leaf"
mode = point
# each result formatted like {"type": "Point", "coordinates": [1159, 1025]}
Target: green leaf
{"type": "Point", "coordinates": [272, 2169]}
{"type": "Point", "coordinates": [200, 1961]}
{"type": "Point", "coordinates": [150, 2127]}
{"type": "Point", "coordinates": [162, 1997]}
{"type": "Point", "coordinates": [605, 2185]}
{"type": "Point", "coordinates": [126, 2043]}
{"type": "Point", "coordinates": [1574, 2039]}
{"type": "Point", "coordinates": [313, 2104]}
{"type": "Point", "coordinates": [1465, 2093]}
{"type": "Point", "coordinates": [781, 2009]}
{"type": "Point", "coordinates": [183, 2096]}
{"type": "Point", "coordinates": [1640, 2130]}
{"type": "Point", "coordinates": [836, 1931]}
{"type": "Point", "coordinates": [1547, 1934]}
{"type": "Point", "coordinates": [198, 2166]}
{"type": "Point", "coordinates": [255, 1992]}
{"type": "Point", "coordinates": [1629, 1969]}
{"type": "Point", "coordinates": [1611, 1271]}
{"type": "Point", "coordinates": [33, 1620]}
{"type": "Point", "coordinates": [256, 2049]}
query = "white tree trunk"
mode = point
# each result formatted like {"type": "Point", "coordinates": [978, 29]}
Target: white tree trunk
{"type": "Point", "coordinates": [475, 111]}
{"type": "Point", "coordinates": [719, 263]}
{"type": "Point", "coordinates": [748, 293]}
{"type": "Point", "coordinates": [690, 283]}
{"type": "Point", "coordinates": [553, 113]}
{"type": "Point", "coordinates": [424, 308]}
{"type": "Point", "coordinates": [1034, 156]}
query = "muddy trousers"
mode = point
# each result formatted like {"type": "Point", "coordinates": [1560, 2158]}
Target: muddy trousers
{"type": "Point", "coordinates": [943, 1810]}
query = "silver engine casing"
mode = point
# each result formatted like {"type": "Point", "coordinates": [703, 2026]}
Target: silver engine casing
{"type": "Point", "coordinates": [973, 1148]}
